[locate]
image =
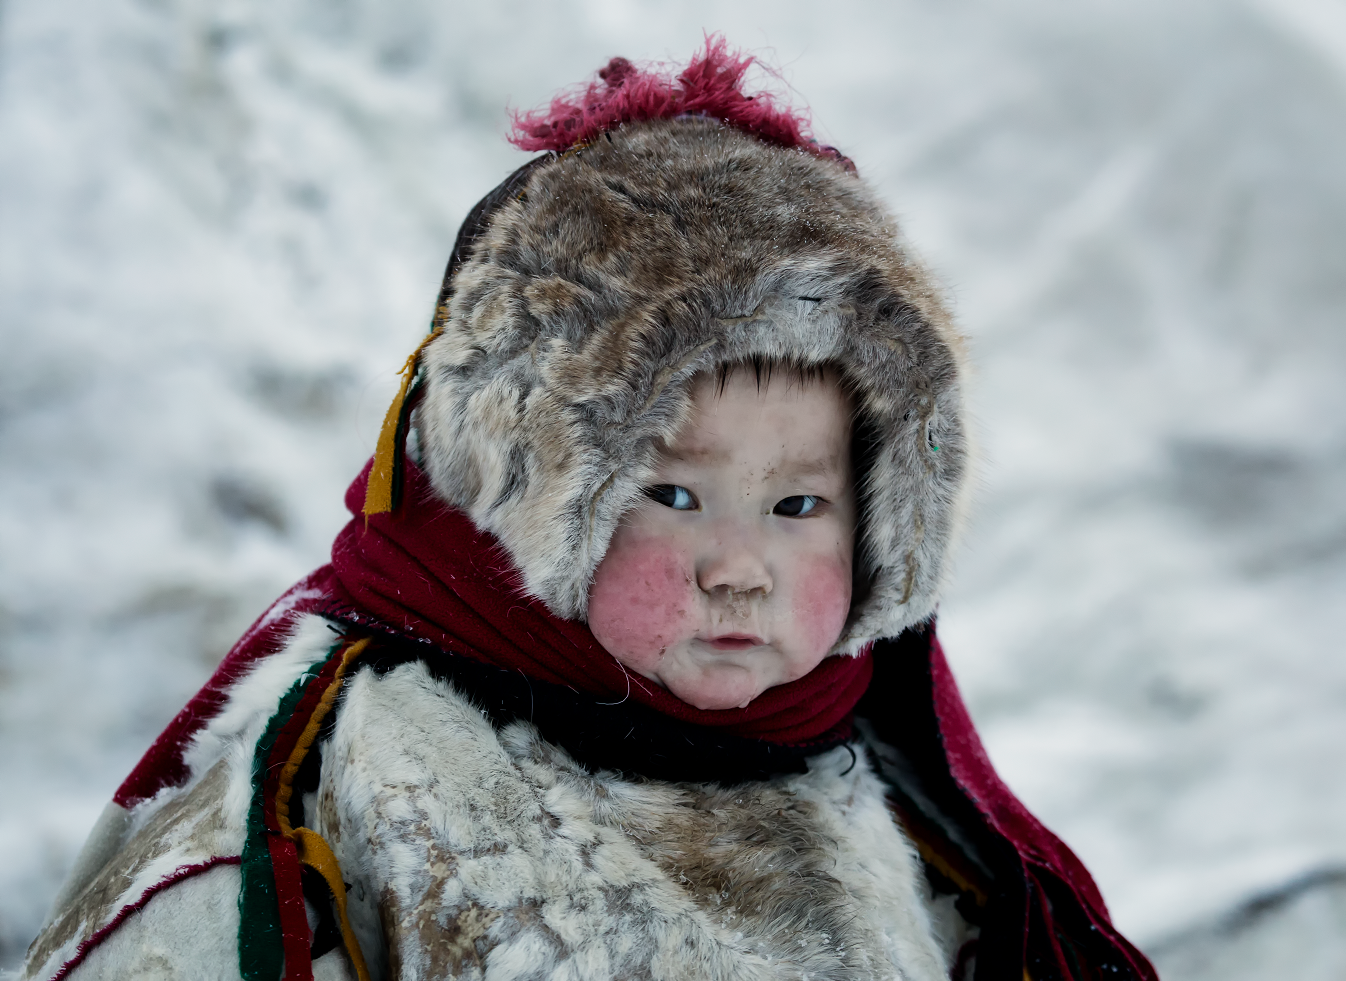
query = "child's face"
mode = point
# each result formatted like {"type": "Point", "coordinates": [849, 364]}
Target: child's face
{"type": "Point", "coordinates": [736, 575]}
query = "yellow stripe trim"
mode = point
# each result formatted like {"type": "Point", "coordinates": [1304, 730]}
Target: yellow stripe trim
{"type": "Point", "coordinates": [317, 854]}
{"type": "Point", "coordinates": [313, 850]}
{"type": "Point", "coordinates": [285, 784]}
{"type": "Point", "coordinates": [379, 490]}
{"type": "Point", "coordinates": [928, 854]}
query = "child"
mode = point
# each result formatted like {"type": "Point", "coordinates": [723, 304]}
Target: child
{"type": "Point", "coordinates": [627, 668]}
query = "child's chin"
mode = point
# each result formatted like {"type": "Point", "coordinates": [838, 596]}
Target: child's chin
{"type": "Point", "coordinates": [714, 692]}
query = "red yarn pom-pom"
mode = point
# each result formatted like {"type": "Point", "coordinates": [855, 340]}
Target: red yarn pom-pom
{"type": "Point", "coordinates": [711, 85]}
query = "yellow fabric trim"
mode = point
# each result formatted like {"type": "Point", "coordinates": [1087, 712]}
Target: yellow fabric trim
{"type": "Point", "coordinates": [317, 854]}
{"type": "Point", "coordinates": [285, 785]}
{"type": "Point", "coordinates": [928, 854]}
{"type": "Point", "coordinates": [379, 490]}
{"type": "Point", "coordinates": [313, 850]}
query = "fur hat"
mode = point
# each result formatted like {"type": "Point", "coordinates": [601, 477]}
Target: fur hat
{"type": "Point", "coordinates": [673, 236]}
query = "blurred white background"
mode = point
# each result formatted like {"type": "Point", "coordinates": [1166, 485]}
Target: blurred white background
{"type": "Point", "coordinates": [222, 226]}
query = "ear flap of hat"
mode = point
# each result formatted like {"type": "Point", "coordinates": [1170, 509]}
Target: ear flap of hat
{"type": "Point", "coordinates": [384, 492]}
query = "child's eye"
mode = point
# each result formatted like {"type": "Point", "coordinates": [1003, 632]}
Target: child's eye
{"type": "Point", "coordinates": [796, 507]}
{"type": "Point", "coordinates": [672, 496]}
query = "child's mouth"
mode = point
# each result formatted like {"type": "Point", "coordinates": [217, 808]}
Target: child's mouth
{"type": "Point", "coordinates": [735, 642]}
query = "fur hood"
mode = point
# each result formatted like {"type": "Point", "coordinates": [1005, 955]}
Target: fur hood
{"type": "Point", "coordinates": [591, 287]}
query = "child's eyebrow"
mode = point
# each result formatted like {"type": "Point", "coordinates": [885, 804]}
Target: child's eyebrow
{"type": "Point", "coordinates": [693, 454]}
{"type": "Point", "coordinates": [813, 467]}
{"type": "Point", "coordinates": [789, 466]}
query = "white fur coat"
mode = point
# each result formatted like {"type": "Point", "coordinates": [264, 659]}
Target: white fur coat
{"type": "Point", "coordinates": [472, 851]}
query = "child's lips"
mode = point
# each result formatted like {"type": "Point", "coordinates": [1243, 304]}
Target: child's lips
{"type": "Point", "coordinates": [735, 642]}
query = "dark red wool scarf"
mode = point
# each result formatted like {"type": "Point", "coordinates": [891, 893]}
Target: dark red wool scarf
{"type": "Point", "coordinates": [427, 572]}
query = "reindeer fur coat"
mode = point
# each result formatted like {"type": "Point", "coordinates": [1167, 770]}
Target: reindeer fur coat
{"type": "Point", "coordinates": [583, 296]}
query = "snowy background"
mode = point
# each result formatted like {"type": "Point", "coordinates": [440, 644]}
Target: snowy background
{"type": "Point", "coordinates": [222, 226]}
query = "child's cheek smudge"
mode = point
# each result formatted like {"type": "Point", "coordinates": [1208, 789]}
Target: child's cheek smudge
{"type": "Point", "coordinates": [642, 602]}
{"type": "Point", "coordinates": [824, 601]}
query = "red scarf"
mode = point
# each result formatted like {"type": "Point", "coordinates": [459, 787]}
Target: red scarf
{"type": "Point", "coordinates": [427, 572]}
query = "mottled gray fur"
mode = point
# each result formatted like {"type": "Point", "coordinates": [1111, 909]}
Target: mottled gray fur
{"type": "Point", "coordinates": [477, 852]}
{"type": "Point", "coordinates": [473, 851]}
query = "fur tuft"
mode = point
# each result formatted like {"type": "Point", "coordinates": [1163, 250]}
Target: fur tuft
{"type": "Point", "coordinates": [711, 85]}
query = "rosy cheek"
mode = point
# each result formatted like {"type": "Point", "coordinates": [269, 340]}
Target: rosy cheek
{"type": "Point", "coordinates": [642, 600]}
{"type": "Point", "coordinates": [824, 602]}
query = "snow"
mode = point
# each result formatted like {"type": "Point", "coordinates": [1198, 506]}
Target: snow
{"type": "Point", "coordinates": [222, 227]}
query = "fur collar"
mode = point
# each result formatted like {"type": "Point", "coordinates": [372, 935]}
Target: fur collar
{"type": "Point", "coordinates": [472, 846]}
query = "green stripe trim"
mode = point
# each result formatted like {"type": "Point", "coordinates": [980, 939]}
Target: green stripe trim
{"type": "Point", "coordinates": [261, 955]}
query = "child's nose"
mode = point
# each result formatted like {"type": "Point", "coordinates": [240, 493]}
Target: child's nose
{"type": "Point", "coordinates": [735, 566]}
